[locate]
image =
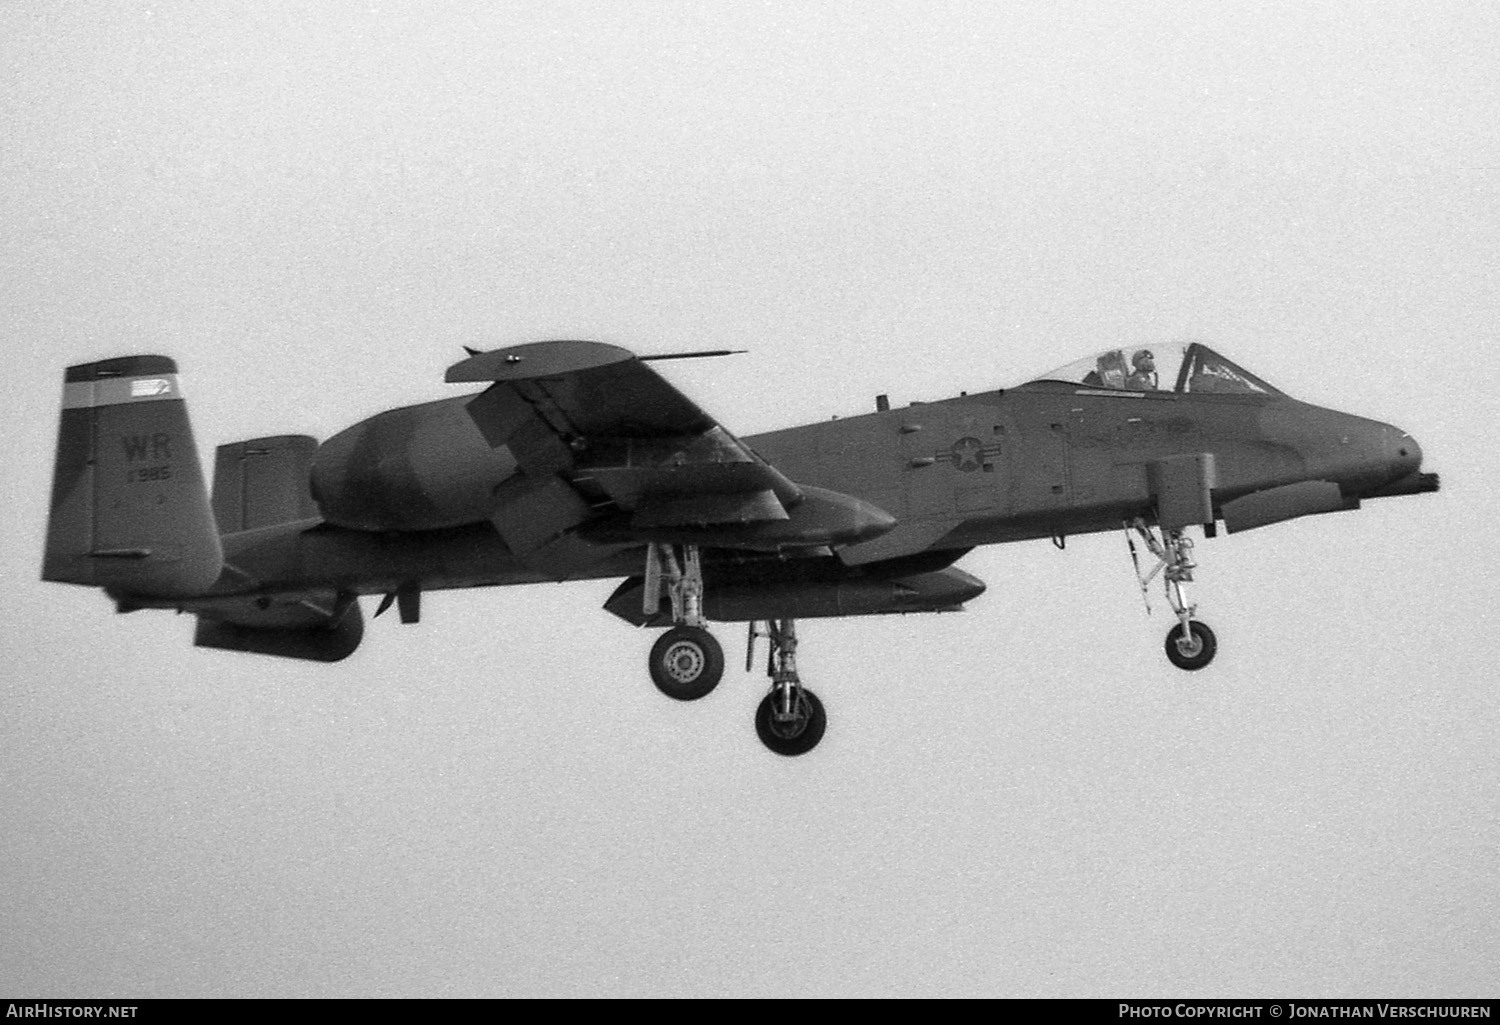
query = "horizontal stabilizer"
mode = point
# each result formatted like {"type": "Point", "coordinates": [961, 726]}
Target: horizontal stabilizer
{"type": "Point", "coordinates": [317, 627]}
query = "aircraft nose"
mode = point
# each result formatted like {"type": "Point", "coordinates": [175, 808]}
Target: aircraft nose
{"type": "Point", "coordinates": [1404, 458]}
{"type": "Point", "coordinates": [1403, 451]}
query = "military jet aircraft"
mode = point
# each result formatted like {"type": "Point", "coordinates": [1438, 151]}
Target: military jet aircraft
{"type": "Point", "coordinates": [578, 460]}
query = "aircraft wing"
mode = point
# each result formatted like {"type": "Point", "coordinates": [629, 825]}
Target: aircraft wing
{"type": "Point", "coordinates": [597, 433]}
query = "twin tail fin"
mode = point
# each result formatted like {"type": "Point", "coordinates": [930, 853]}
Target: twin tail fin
{"type": "Point", "coordinates": [129, 510]}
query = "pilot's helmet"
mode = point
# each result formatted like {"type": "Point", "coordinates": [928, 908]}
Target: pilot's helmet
{"type": "Point", "coordinates": [1141, 357]}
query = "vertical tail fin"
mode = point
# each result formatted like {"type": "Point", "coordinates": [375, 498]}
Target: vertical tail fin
{"type": "Point", "coordinates": [129, 508]}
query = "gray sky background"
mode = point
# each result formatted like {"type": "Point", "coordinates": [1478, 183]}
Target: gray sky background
{"type": "Point", "coordinates": [313, 211]}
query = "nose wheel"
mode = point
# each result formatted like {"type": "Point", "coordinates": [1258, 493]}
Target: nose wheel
{"type": "Point", "coordinates": [1190, 645]}
{"type": "Point", "coordinates": [1192, 650]}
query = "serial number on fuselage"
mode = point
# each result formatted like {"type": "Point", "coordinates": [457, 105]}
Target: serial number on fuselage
{"type": "Point", "coordinates": [1132, 432]}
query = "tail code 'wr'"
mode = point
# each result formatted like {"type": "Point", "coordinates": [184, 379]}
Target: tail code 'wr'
{"type": "Point", "coordinates": [146, 446]}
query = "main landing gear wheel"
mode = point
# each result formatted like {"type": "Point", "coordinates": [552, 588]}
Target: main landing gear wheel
{"type": "Point", "coordinates": [686, 663]}
{"type": "Point", "coordinates": [790, 719]}
{"type": "Point", "coordinates": [1194, 651]}
{"type": "Point", "coordinates": [795, 733]}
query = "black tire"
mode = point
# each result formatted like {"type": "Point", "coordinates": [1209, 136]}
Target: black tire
{"type": "Point", "coordinates": [686, 663]}
{"type": "Point", "coordinates": [1200, 652]}
{"type": "Point", "coordinates": [795, 738]}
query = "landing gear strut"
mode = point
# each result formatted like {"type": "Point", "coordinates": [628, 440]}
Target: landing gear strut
{"type": "Point", "coordinates": [1190, 644]}
{"type": "Point", "coordinates": [790, 719]}
{"type": "Point", "coordinates": [686, 661]}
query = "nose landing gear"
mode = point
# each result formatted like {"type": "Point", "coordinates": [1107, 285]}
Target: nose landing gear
{"type": "Point", "coordinates": [1190, 645]}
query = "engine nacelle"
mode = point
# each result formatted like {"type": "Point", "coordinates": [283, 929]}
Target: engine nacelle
{"type": "Point", "coordinates": [423, 467]}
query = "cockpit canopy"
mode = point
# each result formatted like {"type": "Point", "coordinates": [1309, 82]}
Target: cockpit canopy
{"type": "Point", "coordinates": [1185, 369]}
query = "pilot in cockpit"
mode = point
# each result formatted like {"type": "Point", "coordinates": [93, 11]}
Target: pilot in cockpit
{"type": "Point", "coordinates": [1143, 372]}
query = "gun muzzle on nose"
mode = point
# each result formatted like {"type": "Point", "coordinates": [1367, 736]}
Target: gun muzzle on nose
{"type": "Point", "coordinates": [1405, 458]}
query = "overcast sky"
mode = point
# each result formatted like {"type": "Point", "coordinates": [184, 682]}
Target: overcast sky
{"type": "Point", "coordinates": [312, 212]}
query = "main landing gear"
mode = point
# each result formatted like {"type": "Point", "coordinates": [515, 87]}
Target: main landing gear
{"type": "Point", "coordinates": [790, 719]}
{"type": "Point", "coordinates": [687, 662]}
{"type": "Point", "coordinates": [1190, 644]}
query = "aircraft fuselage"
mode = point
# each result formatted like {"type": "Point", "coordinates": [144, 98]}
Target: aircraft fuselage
{"type": "Point", "coordinates": [1041, 461]}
